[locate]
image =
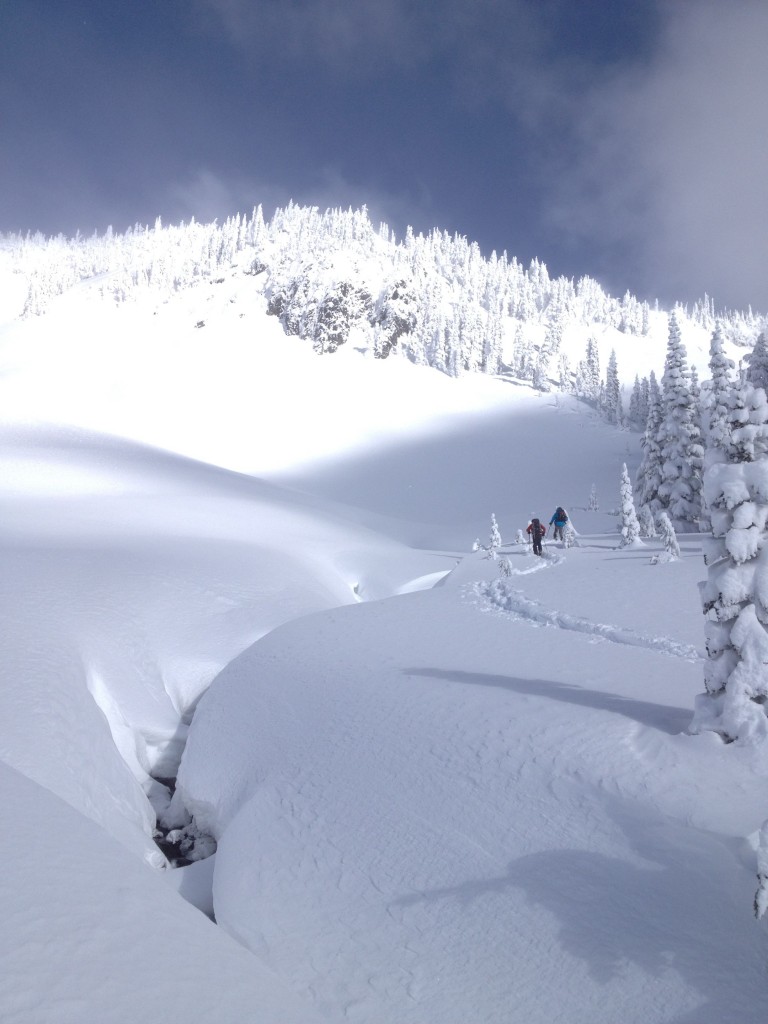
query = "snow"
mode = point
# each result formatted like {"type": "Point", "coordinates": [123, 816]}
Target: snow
{"type": "Point", "coordinates": [90, 933]}
{"type": "Point", "coordinates": [439, 795]}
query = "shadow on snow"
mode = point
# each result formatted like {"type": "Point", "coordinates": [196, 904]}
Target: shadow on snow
{"type": "Point", "coordinates": [669, 719]}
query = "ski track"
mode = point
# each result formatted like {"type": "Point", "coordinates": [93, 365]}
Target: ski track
{"type": "Point", "coordinates": [547, 559]}
{"type": "Point", "coordinates": [501, 596]}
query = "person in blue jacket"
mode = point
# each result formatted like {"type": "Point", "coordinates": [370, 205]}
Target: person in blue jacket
{"type": "Point", "coordinates": [560, 518]}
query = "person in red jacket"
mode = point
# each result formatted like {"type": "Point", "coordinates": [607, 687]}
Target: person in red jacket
{"type": "Point", "coordinates": [536, 530]}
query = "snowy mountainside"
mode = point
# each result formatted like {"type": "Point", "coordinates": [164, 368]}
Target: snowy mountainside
{"type": "Point", "coordinates": [440, 795]}
{"type": "Point", "coordinates": [333, 279]}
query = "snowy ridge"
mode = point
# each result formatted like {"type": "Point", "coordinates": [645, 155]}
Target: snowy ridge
{"type": "Point", "coordinates": [332, 279]}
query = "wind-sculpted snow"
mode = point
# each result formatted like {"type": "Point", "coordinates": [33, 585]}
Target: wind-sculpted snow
{"type": "Point", "coordinates": [501, 596]}
{"type": "Point", "coordinates": [89, 934]}
{"type": "Point", "coordinates": [415, 801]}
{"type": "Point", "coordinates": [143, 601]}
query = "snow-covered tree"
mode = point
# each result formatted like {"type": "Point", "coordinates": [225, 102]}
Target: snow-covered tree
{"type": "Point", "coordinates": [494, 542]}
{"type": "Point", "coordinates": [638, 412]}
{"type": "Point", "coordinates": [553, 335]}
{"type": "Point", "coordinates": [564, 372]}
{"type": "Point", "coordinates": [612, 405]}
{"type": "Point", "coordinates": [757, 372]}
{"type": "Point", "coordinates": [747, 418]}
{"type": "Point", "coordinates": [679, 438]}
{"type": "Point", "coordinates": [694, 384]}
{"type": "Point", "coordinates": [592, 362]}
{"type": "Point", "coordinates": [669, 537]}
{"type": "Point", "coordinates": [649, 475]}
{"type": "Point", "coordinates": [719, 400]}
{"type": "Point", "coordinates": [594, 504]}
{"type": "Point", "coordinates": [630, 527]}
{"type": "Point", "coordinates": [645, 394]}
{"type": "Point", "coordinates": [735, 594]}
{"type": "Point", "coordinates": [342, 307]}
{"type": "Point", "coordinates": [540, 380]}
{"type": "Point", "coordinates": [647, 524]}
{"type": "Point", "coordinates": [524, 356]}
{"type": "Point", "coordinates": [397, 316]}
{"type": "Point", "coordinates": [587, 384]}
{"type": "Point", "coordinates": [717, 434]}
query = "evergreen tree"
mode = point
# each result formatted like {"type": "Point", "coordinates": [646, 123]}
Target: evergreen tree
{"type": "Point", "coordinates": [697, 400]}
{"type": "Point", "coordinates": [667, 531]}
{"type": "Point", "coordinates": [649, 472]}
{"type": "Point", "coordinates": [494, 341]}
{"type": "Point", "coordinates": [342, 307]}
{"type": "Point", "coordinates": [694, 386]}
{"type": "Point", "coordinates": [719, 399]}
{"type": "Point", "coordinates": [746, 418]}
{"type": "Point", "coordinates": [735, 594]}
{"type": "Point", "coordinates": [553, 335]}
{"type": "Point", "coordinates": [564, 372]}
{"type": "Point", "coordinates": [594, 504]}
{"type": "Point", "coordinates": [757, 371]}
{"type": "Point", "coordinates": [645, 401]}
{"type": "Point", "coordinates": [679, 438]}
{"type": "Point", "coordinates": [635, 405]}
{"type": "Point", "coordinates": [647, 525]}
{"type": "Point", "coordinates": [524, 359]}
{"type": "Point", "coordinates": [397, 316]}
{"type": "Point", "coordinates": [612, 407]}
{"type": "Point", "coordinates": [540, 380]}
{"type": "Point", "coordinates": [717, 406]}
{"type": "Point", "coordinates": [579, 379]}
{"type": "Point", "coordinates": [630, 527]}
{"type": "Point", "coordinates": [591, 374]}
{"type": "Point", "coordinates": [495, 540]}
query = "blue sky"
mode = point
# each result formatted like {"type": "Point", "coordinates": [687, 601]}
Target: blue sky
{"type": "Point", "coordinates": [625, 139]}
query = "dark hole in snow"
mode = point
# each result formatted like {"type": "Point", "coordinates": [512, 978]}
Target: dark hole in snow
{"type": "Point", "coordinates": [184, 845]}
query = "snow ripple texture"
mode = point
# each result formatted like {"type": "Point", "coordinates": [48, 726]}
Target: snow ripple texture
{"type": "Point", "coordinates": [499, 595]}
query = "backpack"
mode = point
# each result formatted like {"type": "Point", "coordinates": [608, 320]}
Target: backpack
{"type": "Point", "coordinates": [536, 530]}
{"type": "Point", "coordinates": [561, 515]}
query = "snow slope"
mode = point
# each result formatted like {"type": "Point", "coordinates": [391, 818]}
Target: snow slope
{"type": "Point", "coordinates": [90, 933]}
{"type": "Point", "coordinates": [436, 809]}
{"type": "Point", "coordinates": [438, 795]}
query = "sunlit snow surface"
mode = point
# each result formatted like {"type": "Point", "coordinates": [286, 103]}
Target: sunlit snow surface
{"type": "Point", "coordinates": [439, 796]}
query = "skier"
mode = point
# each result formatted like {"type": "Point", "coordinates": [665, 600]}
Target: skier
{"type": "Point", "coordinates": [560, 518]}
{"type": "Point", "coordinates": [536, 530]}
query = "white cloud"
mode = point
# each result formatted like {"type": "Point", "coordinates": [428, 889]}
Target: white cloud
{"type": "Point", "coordinates": [332, 189]}
{"type": "Point", "coordinates": [673, 161]}
{"type": "Point", "coordinates": [654, 170]}
{"type": "Point", "coordinates": [207, 195]}
{"type": "Point", "coordinates": [350, 36]}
